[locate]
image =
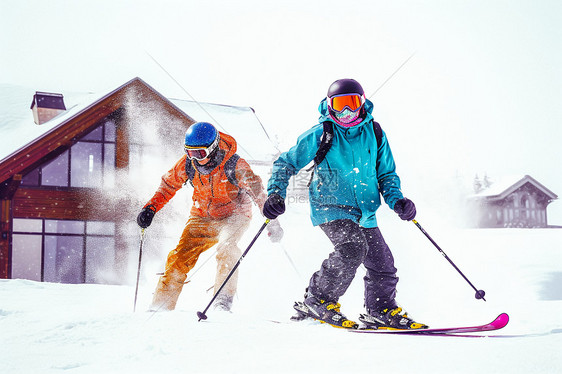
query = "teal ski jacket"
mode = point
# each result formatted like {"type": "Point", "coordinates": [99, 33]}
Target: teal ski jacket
{"type": "Point", "coordinates": [348, 183]}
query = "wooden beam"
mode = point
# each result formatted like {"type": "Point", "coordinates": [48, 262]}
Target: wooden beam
{"type": "Point", "coordinates": [122, 144]}
{"type": "Point", "coordinates": [74, 204]}
{"type": "Point", "coordinates": [5, 237]}
{"type": "Point", "coordinates": [8, 188]}
{"type": "Point", "coordinates": [49, 203]}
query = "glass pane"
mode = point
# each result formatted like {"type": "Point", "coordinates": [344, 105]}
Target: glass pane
{"type": "Point", "coordinates": [109, 131]}
{"type": "Point", "coordinates": [27, 225]}
{"type": "Point", "coordinates": [63, 259]}
{"type": "Point", "coordinates": [109, 165]}
{"type": "Point", "coordinates": [95, 134]}
{"type": "Point", "coordinates": [26, 257]}
{"type": "Point", "coordinates": [64, 227]}
{"type": "Point", "coordinates": [55, 173]}
{"type": "Point", "coordinates": [100, 260]}
{"type": "Point", "coordinates": [100, 228]}
{"type": "Point", "coordinates": [85, 165]}
{"type": "Point", "coordinates": [31, 178]}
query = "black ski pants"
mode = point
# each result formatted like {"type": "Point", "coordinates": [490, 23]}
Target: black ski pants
{"type": "Point", "coordinates": [354, 245]}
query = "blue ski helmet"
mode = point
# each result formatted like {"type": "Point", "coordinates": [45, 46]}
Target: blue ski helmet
{"type": "Point", "coordinates": [201, 139]}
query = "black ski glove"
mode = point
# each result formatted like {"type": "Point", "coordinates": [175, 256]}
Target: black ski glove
{"type": "Point", "coordinates": [274, 206]}
{"type": "Point", "coordinates": [406, 209]}
{"type": "Point", "coordinates": [144, 219]}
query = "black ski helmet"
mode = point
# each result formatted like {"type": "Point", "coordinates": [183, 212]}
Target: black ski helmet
{"type": "Point", "coordinates": [342, 87]}
{"type": "Point", "coordinates": [345, 86]}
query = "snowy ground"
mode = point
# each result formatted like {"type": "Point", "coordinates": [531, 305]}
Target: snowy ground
{"type": "Point", "coordinates": [53, 328]}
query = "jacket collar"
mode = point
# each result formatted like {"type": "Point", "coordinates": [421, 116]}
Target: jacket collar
{"type": "Point", "coordinates": [325, 116]}
{"type": "Point", "coordinates": [227, 148]}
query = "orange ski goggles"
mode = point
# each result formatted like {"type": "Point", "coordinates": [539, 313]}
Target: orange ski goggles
{"type": "Point", "coordinates": [351, 101]}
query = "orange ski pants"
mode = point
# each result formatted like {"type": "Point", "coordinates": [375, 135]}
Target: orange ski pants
{"type": "Point", "coordinates": [199, 235]}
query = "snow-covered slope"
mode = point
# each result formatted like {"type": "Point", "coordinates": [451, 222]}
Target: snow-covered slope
{"type": "Point", "coordinates": [53, 328]}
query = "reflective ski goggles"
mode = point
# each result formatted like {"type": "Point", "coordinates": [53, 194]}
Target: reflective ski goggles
{"type": "Point", "coordinates": [353, 102]}
{"type": "Point", "coordinates": [201, 153]}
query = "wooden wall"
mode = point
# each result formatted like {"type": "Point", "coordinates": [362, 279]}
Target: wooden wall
{"type": "Point", "coordinates": [5, 239]}
{"type": "Point", "coordinates": [51, 203]}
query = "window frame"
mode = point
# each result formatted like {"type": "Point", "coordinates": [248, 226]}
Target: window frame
{"type": "Point", "coordinates": [108, 137]}
{"type": "Point", "coordinates": [44, 233]}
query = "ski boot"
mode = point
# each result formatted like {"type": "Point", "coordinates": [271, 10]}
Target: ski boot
{"type": "Point", "coordinates": [323, 311]}
{"type": "Point", "coordinates": [223, 303]}
{"type": "Point", "coordinates": [390, 319]}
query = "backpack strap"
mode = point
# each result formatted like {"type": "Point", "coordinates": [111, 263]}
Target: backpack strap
{"type": "Point", "coordinates": [378, 133]}
{"type": "Point", "coordinates": [325, 145]}
{"type": "Point", "coordinates": [230, 169]}
{"type": "Point", "coordinates": [325, 142]}
{"type": "Point", "coordinates": [189, 170]}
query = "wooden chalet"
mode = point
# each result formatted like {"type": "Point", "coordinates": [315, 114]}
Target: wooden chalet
{"type": "Point", "coordinates": [514, 202]}
{"type": "Point", "coordinates": [57, 222]}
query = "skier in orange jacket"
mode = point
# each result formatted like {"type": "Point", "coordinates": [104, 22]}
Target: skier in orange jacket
{"type": "Point", "coordinates": [224, 188]}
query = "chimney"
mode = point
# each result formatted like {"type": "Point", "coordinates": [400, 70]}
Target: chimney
{"type": "Point", "coordinates": [46, 106]}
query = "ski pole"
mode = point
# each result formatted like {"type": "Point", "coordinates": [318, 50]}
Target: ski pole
{"type": "Point", "coordinates": [202, 314]}
{"type": "Point", "coordinates": [479, 293]}
{"type": "Point", "coordinates": [290, 260]}
{"type": "Point", "coordinates": [139, 269]}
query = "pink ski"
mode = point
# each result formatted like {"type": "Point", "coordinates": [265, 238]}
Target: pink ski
{"type": "Point", "coordinates": [499, 323]}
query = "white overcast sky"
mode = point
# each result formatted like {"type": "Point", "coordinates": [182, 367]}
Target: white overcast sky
{"type": "Point", "coordinates": [481, 94]}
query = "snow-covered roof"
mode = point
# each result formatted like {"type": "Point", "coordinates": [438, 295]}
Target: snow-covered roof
{"type": "Point", "coordinates": [16, 119]}
{"type": "Point", "coordinates": [503, 186]}
{"type": "Point", "coordinates": [18, 129]}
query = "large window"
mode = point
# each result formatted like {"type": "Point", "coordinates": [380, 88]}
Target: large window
{"type": "Point", "coordinates": [63, 251]}
{"type": "Point", "coordinates": [90, 162]}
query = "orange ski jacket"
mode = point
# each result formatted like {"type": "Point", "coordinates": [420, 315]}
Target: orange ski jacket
{"type": "Point", "coordinates": [215, 195]}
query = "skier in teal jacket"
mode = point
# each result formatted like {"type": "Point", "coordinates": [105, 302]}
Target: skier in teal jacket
{"type": "Point", "coordinates": [345, 184]}
{"type": "Point", "coordinates": [344, 196]}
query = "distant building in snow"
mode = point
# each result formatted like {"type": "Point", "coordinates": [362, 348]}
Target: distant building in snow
{"type": "Point", "coordinates": [514, 202]}
{"type": "Point", "coordinates": [71, 188]}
